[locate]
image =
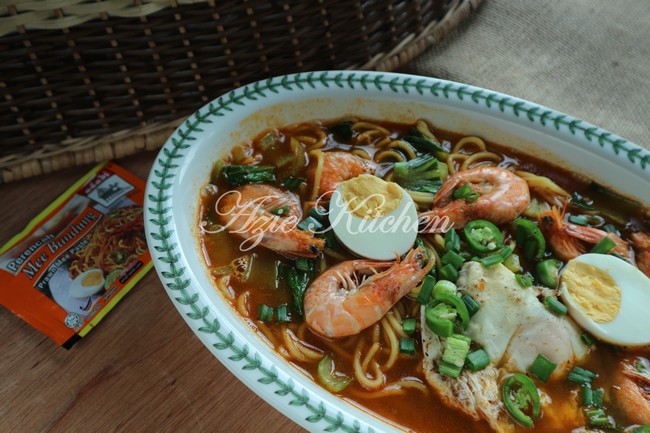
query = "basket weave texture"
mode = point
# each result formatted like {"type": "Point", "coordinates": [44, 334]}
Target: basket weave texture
{"type": "Point", "coordinates": [84, 81]}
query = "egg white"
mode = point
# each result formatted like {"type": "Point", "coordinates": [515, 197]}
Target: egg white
{"type": "Point", "coordinates": [631, 326]}
{"type": "Point", "coordinates": [393, 234]}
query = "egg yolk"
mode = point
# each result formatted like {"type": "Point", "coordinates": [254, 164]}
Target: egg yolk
{"type": "Point", "coordinates": [368, 196]}
{"type": "Point", "coordinates": [91, 279]}
{"type": "Point", "coordinates": [593, 290]}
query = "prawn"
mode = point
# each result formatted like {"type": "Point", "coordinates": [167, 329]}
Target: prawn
{"type": "Point", "coordinates": [503, 197]}
{"type": "Point", "coordinates": [632, 389]}
{"type": "Point", "coordinates": [351, 296]}
{"type": "Point", "coordinates": [641, 243]}
{"type": "Point", "coordinates": [338, 167]}
{"type": "Point", "coordinates": [246, 212]}
{"type": "Point", "coordinates": [569, 241]}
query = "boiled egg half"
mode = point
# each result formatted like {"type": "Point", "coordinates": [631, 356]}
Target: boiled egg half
{"type": "Point", "coordinates": [373, 218]}
{"type": "Point", "coordinates": [87, 284]}
{"type": "Point", "coordinates": [608, 297]}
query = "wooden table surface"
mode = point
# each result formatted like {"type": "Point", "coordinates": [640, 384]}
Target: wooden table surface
{"type": "Point", "coordinates": [141, 370]}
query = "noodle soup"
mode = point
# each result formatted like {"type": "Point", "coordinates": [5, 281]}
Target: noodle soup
{"type": "Point", "coordinates": [297, 280]}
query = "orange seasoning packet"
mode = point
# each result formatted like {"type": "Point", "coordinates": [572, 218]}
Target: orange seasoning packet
{"type": "Point", "coordinates": [79, 257]}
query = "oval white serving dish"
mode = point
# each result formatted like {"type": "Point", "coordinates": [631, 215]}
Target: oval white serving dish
{"type": "Point", "coordinates": [184, 163]}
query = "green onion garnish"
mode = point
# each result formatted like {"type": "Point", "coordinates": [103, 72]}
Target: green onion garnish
{"type": "Point", "coordinates": [477, 360]}
{"type": "Point", "coordinates": [449, 272]}
{"type": "Point", "coordinates": [587, 339]}
{"type": "Point", "coordinates": [524, 280]}
{"type": "Point", "coordinates": [304, 264]}
{"type": "Point", "coordinates": [587, 395]}
{"type": "Point", "coordinates": [237, 175]}
{"type": "Point", "coordinates": [555, 306]}
{"type": "Point", "coordinates": [452, 258]}
{"type": "Point", "coordinates": [497, 258]}
{"type": "Point", "coordinates": [452, 241]}
{"type": "Point", "coordinates": [548, 272]}
{"type": "Point", "coordinates": [282, 210]}
{"type": "Point", "coordinates": [421, 142]}
{"type": "Point", "coordinates": [581, 376]}
{"type": "Point", "coordinates": [471, 304]}
{"type": "Point", "coordinates": [319, 214]}
{"type": "Point", "coordinates": [407, 346]}
{"type": "Point", "coordinates": [604, 246]}
{"type": "Point", "coordinates": [426, 290]}
{"type": "Point", "coordinates": [597, 418]}
{"type": "Point", "coordinates": [292, 183]}
{"type": "Point", "coordinates": [282, 314]}
{"type": "Point", "coordinates": [310, 224]}
{"type": "Point", "coordinates": [542, 368]}
{"type": "Point", "coordinates": [581, 220]}
{"type": "Point", "coordinates": [598, 397]}
{"type": "Point", "coordinates": [466, 192]}
{"type": "Point", "coordinates": [611, 228]}
{"type": "Point", "coordinates": [409, 325]}
{"type": "Point", "coordinates": [265, 313]}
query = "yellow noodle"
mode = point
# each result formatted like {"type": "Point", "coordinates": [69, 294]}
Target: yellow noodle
{"type": "Point", "coordinates": [389, 155]}
{"type": "Point", "coordinates": [402, 145]}
{"type": "Point", "coordinates": [361, 153]}
{"type": "Point", "coordinates": [396, 388]}
{"type": "Point", "coordinates": [545, 187]}
{"type": "Point", "coordinates": [290, 345]}
{"type": "Point", "coordinates": [415, 311]}
{"type": "Point", "coordinates": [361, 375]}
{"type": "Point", "coordinates": [480, 158]}
{"type": "Point", "coordinates": [422, 198]}
{"type": "Point", "coordinates": [370, 131]}
{"type": "Point", "coordinates": [466, 142]}
{"type": "Point", "coordinates": [390, 335]}
{"type": "Point", "coordinates": [341, 352]}
{"type": "Point", "coordinates": [451, 160]}
{"type": "Point", "coordinates": [376, 332]}
{"type": "Point", "coordinates": [273, 342]}
{"type": "Point", "coordinates": [283, 351]}
{"type": "Point", "coordinates": [423, 128]}
{"type": "Point", "coordinates": [242, 304]}
{"type": "Point", "coordinates": [300, 333]}
{"type": "Point", "coordinates": [299, 349]}
{"type": "Point", "coordinates": [370, 355]}
{"type": "Point", "coordinates": [395, 323]}
{"type": "Point", "coordinates": [381, 143]}
{"type": "Point", "coordinates": [310, 134]}
{"type": "Point", "coordinates": [318, 172]}
{"type": "Point", "coordinates": [439, 240]}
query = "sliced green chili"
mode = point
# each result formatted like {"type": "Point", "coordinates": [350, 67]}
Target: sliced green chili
{"type": "Point", "coordinates": [548, 272]}
{"type": "Point", "coordinates": [483, 236]}
{"type": "Point", "coordinates": [440, 319]}
{"type": "Point", "coordinates": [444, 287]}
{"type": "Point", "coordinates": [530, 238]}
{"type": "Point", "coordinates": [519, 394]}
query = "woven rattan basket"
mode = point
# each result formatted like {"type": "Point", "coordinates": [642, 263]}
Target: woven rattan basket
{"type": "Point", "coordinates": [87, 80]}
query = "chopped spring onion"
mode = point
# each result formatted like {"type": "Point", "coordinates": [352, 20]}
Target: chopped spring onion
{"type": "Point", "coordinates": [282, 314]}
{"type": "Point", "coordinates": [581, 220]}
{"type": "Point", "coordinates": [466, 192]}
{"type": "Point", "coordinates": [409, 325]}
{"type": "Point", "coordinates": [449, 272]}
{"type": "Point", "coordinates": [237, 175]}
{"type": "Point", "coordinates": [598, 397]}
{"type": "Point", "coordinates": [548, 272]}
{"type": "Point", "coordinates": [216, 171]}
{"type": "Point", "coordinates": [427, 289]}
{"type": "Point", "coordinates": [444, 287]}
{"type": "Point", "coordinates": [454, 354]}
{"type": "Point", "coordinates": [265, 313]}
{"type": "Point", "coordinates": [542, 368]}
{"type": "Point", "coordinates": [319, 214]}
{"type": "Point", "coordinates": [471, 304]}
{"type": "Point", "coordinates": [581, 376]}
{"type": "Point", "coordinates": [407, 346]}
{"type": "Point", "coordinates": [579, 201]}
{"type": "Point", "coordinates": [343, 130]}
{"type": "Point", "coordinates": [530, 238]}
{"type": "Point", "coordinates": [642, 429]}
{"type": "Point", "coordinates": [297, 281]}
{"type": "Point", "coordinates": [524, 280]}
{"type": "Point", "coordinates": [604, 246]}
{"type": "Point", "coordinates": [555, 306]}
{"type": "Point", "coordinates": [310, 224]}
{"type": "Point", "coordinates": [477, 360]}
{"type": "Point", "coordinates": [598, 418]}
{"type": "Point", "coordinates": [611, 228]}
{"type": "Point", "coordinates": [292, 183]}
{"type": "Point", "coordinates": [587, 339]}
{"type": "Point", "coordinates": [331, 380]}
{"type": "Point", "coordinates": [495, 259]}
{"type": "Point", "coordinates": [519, 393]}
{"type": "Point", "coordinates": [452, 241]}
{"type": "Point", "coordinates": [587, 395]}
{"type": "Point", "coordinates": [421, 185]}
{"type": "Point", "coordinates": [282, 210]}
{"type": "Point", "coordinates": [420, 174]}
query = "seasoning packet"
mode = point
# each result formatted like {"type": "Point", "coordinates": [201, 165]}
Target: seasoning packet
{"type": "Point", "coordinates": [79, 257]}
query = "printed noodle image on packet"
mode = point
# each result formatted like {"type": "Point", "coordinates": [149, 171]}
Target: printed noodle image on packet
{"type": "Point", "coordinates": [78, 257]}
